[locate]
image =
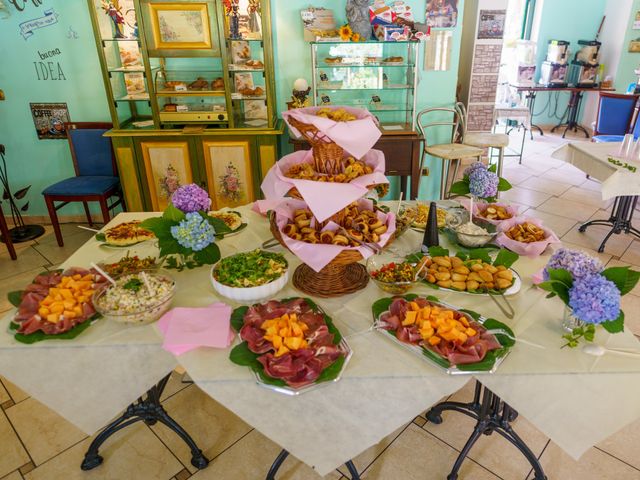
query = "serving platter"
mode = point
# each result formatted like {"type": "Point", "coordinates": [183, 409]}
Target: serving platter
{"type": "Point", "coordinates": [490, 362]}
{"type": "Point", "coordinates": [242, 355]}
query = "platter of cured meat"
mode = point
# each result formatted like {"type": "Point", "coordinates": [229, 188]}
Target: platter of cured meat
{"type": "Point", "coordinates": [458, 341]}
{"type": "Point", "coordinates": [56, 305]}
{"type": "Point", "coordinates": [291, 345]}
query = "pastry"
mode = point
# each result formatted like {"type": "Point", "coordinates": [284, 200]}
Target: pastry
{"type": "Point", "coordinates": [494, 212]}
{"type": "Point", "coordinates": [217, 84]}
{"type": "Point", "coordinates": [199, 84]}
{"type": "Point", "coordinates": [127, 233]}
{"type": "Point", "coordinates": [393, 60]}
{"type": "Point", "coordinates": [231, 219]}
{"type": "Point", "coordinates": [337, 115]}
{"type": "Point", "coordinates": [351, 169]}
{"type": "Point", "coordinates": [175, 85]}
{"type": "Point", "coordinates": [471, 275]}
{"type": "Point", "coordinates": [333, 60]}
{"type": "Point", "coordinates": [254, 64]}
{"type": "Point", "coordinates": [251, 92]}
{"type": "Point", "coordinates": [526, 233]}
{"type": "Point", "coordinates": [170, 107]}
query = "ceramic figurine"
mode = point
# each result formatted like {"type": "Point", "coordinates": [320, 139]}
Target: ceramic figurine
{"type": "Point", "coordinates": [112, 9]}
{"type": "Point", "coordinates": [300, 94]}
{"type": "Point", "coordinates": [358, 17]}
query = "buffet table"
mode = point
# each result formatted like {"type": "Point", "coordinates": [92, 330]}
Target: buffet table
{"type": "Point", "coordinates": [96, 375]}
{"type": "Point", "coordinates": [617, 182]}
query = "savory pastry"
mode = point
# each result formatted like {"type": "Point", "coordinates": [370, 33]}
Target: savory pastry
{"type": "Point", "coordinates": [494, 212]}
{"type": "Point", "coordinates": [421, 213]}
{"type": "Point", "coordinates": [254, 64]}
{"type": "Point", "coordinates": [393, 60]}
{"type": "Point", "coordinates": [470, 276]}
{"type": "Point", "coordinates": [170, 107]}
{"type": "Point", "coordinates": [231, 219]}
{"type": "Point", "coordinates": [199, 84]}
{"type": "Point", "coordinates": [337, 115]}
{"type": "Point", "coordinates": [251, 92]}
{"type": "Point", "coordinates": [351, 169]}
{"type": "Point", "coordinates": [332, 60]}
{"type": "Point", "coordinates": [526, 233]}
{"type": "Point", "coordinates": [217, 84]}
{"type": "Point", "coordinates": [127, 233]}
{"type": "Point", "coordinates": [371, 59]}
{"type": "Point", "coordinates": [175, 85]}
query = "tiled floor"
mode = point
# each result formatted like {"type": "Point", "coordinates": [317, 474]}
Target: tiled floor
{"type": "Point", "coordinates": [37, 444]}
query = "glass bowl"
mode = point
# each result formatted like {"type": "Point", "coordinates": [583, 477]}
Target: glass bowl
{"type": "Point", "coordinates": [136, 316]}
{"type": "Point", "coordinates": [375, 262]}
{"type": "Point", "coordinates": [141, 252]}
{"type": "Point", "coordinates": [476, 240]}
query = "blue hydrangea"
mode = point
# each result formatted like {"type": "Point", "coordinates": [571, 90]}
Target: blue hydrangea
{"type": "Point", "coordinates": [473, 167]}
{"type": "Point", "coordinates": [483, 183]}
{"type": "Point", "coordinates": [194, 232]}
{"type": "Point", "coordinates": [594, 299]}
{"type": "Point", "coordinates": [577, 263]}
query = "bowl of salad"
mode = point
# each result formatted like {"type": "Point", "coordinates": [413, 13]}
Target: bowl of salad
{"type": "Point", "coordinates": [250, 276]}
{"type": "Point", "coordinates": [391, 272]}
{"type": "Point", "coordinates": [137, 298]}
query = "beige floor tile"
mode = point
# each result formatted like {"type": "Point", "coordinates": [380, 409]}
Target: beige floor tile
{"type": "Point", "coordinates": [418, 455]}
{"type": "Point", "coordinates": [567, 208]}
{"type": "Point", "coordinates": [543, 184]}
{"type": "Point", "coordinates": [592, 184]}
{"type": "Point", "coordinates": [624, 444]}
{"type": "Point", "coordinates": [493, 452]}
{"type": "Point", "coordinates": [621, 263]}
{"type": "Point", "coordinates": [55, 254]}
{"type": "Point", "coordinates": [28, 259]}
{"type": "Point", "coordinates": [4, 395]}
{"type": "Point", "coordinates": [213, 427]}
{"type": "Point", "coordinates": [593, 236]}
{"type": "Point", "coordinates": [632, 254]}
{"type": "Point", "coordinates": [587, 197]}
{"type": "Point", "coordinates": [43, 432]}
{"type": "Point", "coordinates": [631, 306]}
{"type": "Point", "coordinates": [251, 458]}
{"type": "Point", "coordinates": [516, 177]}
{"type": "Point", "coordinates": [593, 465]}
{"type": "Point", "coordinates": [17, 395]}
{"type": "Point", "coordinates": [560, 225]}
{"type": "Point", "coordinates": [559, 175]}
{"type": "Point", "coordinates": [367, 457]}
{"type": "Point", "coordinates": [525, 196]}
{"type": "Point", "coordinates": [568, 168]}
{"type": "Point", "coordinates": [133, 453]}
{"type": "Point", "coordinates": [16, 282]}
{"type": "Point", "coordinates": [603, 257]}
{"type": "Point", "coordinates": [174, 385]}
{"type": "Point", "coordinates": [13, 476]}
{"type": "Point", "coordinates": [12, 453]}
{"type": "Point", "coordinates": [541, 163]}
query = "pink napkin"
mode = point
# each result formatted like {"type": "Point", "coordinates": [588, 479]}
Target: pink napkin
{"type": "Point", "coordinates": [323, 198]}
{"type": "Point", "coordinates": [356, 137]}
{"type": "Point", "coordinates": [318, 255]}
{"type": "Point", "coordinates": [263, 206]}
{"type": "Point", "coordinates": [530, 250]}
{"type": "Point", "coordinates": [481, 206]}
{"type": "Point", "coordinates": [538, 277]}
{"type": "Point", "coordinates": [185, 329]}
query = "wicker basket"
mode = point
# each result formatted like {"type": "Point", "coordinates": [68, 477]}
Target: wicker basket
{"type": "Point", "coordinates": [327, 155]}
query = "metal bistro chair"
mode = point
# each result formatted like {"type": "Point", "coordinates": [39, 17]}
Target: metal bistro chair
{"type": "Point", "coordinates": [483, 140]}
{"type": "Point", "coordinates": [96, 177]}
{"type": "Point", "coordinates": [447, 152]}
{"type": "Point", "coordinates": [614, 117]}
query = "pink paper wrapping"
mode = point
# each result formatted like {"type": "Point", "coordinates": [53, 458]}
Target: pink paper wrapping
{"type": "Point", "coordinates": [356, 137]}
{"type": "Point", "coordinates": [185, 329]}
{"type": "Point", "coordinates": [538, 277]}
{"type": "Point", "coordinates": [263, 206]}
{"type": "Point", "coordinates": [479, 206]}
{"type": "Point", "coordinates": [318, 255]}
{"type": "Point", "coordinates": [323, 198]}
{"type": "Point", "coordinates": [531, 250]}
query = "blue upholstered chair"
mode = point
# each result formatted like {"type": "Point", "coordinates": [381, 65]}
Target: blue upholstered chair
{"type": "Point", "coordinates": [615, 114]}
{"type": "Point", "coordinates": [96, 177]}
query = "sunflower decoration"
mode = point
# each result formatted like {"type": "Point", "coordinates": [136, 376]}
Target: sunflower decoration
{"type": "Point", "coordinates": [355, 37]}
{"type": "Point", "coordinates": [345, 33]}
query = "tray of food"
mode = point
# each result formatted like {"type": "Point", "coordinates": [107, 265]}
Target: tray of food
{"type": "Point", "coordinates": [232, 219]}
{"type": "Point", "coordinates": [421, 213]}
{"type": "Point", "coordinates": [473, 272]}
{"type": "Point", "coordinates": [456, 340]}
{"type": "Point", "coordinates": [525, 236]}
{"type": "Point", "coordinates": [56, 305]}
{"type": "Point", "coordinates": [291, 345]}
{"type": "Point", "coordinates": [124, 235]}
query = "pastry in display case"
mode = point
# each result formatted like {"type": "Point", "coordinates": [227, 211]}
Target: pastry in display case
{"type": "Point", "coordinates": [378, 76]}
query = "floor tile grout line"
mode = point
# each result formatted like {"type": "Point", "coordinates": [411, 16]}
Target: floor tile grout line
{"type": "Point", "coordinates": [539, 457]}
{"type": "Point", "coordinates": [41, 254]}
{"type": "Point", "coordinates": [18, 437]}
{"type": "Point", "coordinates": [613, 456]}
{"type": "Point", "coordinates": [153, 432]}
{"type": "Point", "coordinates": [233, 444]}
{"type": "Point", "coordinates": [12, 472]}
{"type": "Point", "coordinates": [175, 393]}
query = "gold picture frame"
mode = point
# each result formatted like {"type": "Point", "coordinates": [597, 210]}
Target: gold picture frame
{"type": "Point", "coordinates": [167, 167]}
{"type": "Point", "coordinates": [180, 26]}
{"type": "Point", "coordinates": [229, 173]}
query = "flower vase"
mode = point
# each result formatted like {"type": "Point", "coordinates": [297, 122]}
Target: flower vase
{"type": "Point", "coordinates": [570, 321]}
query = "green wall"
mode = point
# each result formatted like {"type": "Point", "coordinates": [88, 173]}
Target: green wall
{"type": "Point", "coordinates": [43, 162]}
{"type": "Point", "coordinates": [628, 61]}
{"type": "Point", "coordinates": [570, 20]}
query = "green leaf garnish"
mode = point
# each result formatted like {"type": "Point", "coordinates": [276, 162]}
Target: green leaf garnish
{"type": "Point", "coordinates": [133, 284]}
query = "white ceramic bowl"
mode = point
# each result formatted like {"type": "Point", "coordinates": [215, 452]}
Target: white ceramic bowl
{"type": "Point", "coordinates": [250, 294]}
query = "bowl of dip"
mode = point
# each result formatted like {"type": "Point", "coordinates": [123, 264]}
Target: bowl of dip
{"type": "Point", "coordinates": [474, 235]}
{"type": "Point", "coordinates": [134, 301]}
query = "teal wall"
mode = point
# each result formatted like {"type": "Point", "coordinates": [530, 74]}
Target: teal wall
{"type": "Point", "coordinates": [43, 162]}
{"type": "Point", "coordinates": [628, 61]}
{"type": "Point", "coordinates": [570, 20]}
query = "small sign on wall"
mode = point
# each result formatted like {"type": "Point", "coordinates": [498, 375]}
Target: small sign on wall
{"type": "Point", "coordinates": [636, 22]}
{"type": "Point", "coordinates": [49, 119]}
{"type": "Point", "coordinates": [491, 24]}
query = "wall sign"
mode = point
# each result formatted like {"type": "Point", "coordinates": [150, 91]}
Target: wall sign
{"type": "Point", "coordinates": [49, 119]}
{"type": "Point", "coordinates": [49, 18]}
{"type": "Point", "coordinates": [491, 24]}
{"type": "Point", "coordinates": [49, 69]}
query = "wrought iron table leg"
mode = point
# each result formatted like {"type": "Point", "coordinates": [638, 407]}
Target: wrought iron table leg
{"type": "Point", "coordinates": [619, 220]}
{"type": "Point", "coordinates": [492, 415]}
{"type": "Point", "coordinates": [282, 456]}
{"type": "Point", "coordinates": [150, 411]}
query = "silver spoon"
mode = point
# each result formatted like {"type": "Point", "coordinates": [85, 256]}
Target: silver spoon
{"type": "Point", "coordinates": [599, 350]}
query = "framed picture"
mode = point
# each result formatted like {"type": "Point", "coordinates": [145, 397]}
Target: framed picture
{"type": "Point", "coordinates": [167, 167]}
{"type": "Point", "coordinates": [636, 21]}
{"type": "Point", "coordinates": [180, 25]}
{"type": "Point", "coordinates": [229, 177]}
{"type": "Point", "coordinates": [491, 24]}
{"type": "Point", "coordinates": [634, 45]}
{"type": "Point", "coordinates": [49, 119]}
{"type": "Point", "coordinates": [441, 13]}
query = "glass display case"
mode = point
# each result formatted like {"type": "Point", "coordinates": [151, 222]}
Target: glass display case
{"type": "Point", "coordinates": [378, 76]}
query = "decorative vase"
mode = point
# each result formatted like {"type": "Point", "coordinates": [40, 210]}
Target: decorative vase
{"type": "Point", "coordinates": [570, 321]}
{"type": "Point", "coordinates": [358, 17]}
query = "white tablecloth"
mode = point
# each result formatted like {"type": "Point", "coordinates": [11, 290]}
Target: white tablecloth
{"type": "Point", "coordinates": [592, 158]}
{"type": "Point", "coordinates": [575, 399]}
{"type": "Point", "coordinates": [521, 114]}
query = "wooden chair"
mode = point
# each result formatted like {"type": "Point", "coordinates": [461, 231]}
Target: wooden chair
{"type": "Point", "coordinates": [451, 152]}
{"type": "Point", "coordinates": [96, 177]}
{"type": "Point", "coordinates": [6, 236]}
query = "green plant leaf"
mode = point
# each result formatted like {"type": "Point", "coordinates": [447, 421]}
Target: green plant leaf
{"type": "Point", "coordinates": [460, 187]}
{"type": "Point", "coordinates": [172, 214]}
{"type": "Point", "coordinates": [156, 224]}
{"type": "Point", "coordinates": [171, 247]}
{"type": "Point", "coordinates": [481, 254]}
{"type": "Point", "coordinates": [241, 355]}
{"type": "Point", "coordinates": [437, 251]}
{"type": "Point", "coordinates": [506, 258]}
{"type": "Point", "coordinates": [556, 288]}
{"type": "Point", "coordinates": [624, 278]}
{"type": "Point", "coordinates": [560, 275]}
{"type": "Point", "coordinates": [237, 317]}
{"type": "Point", "coordinates": [101, 237]}
{"type": "Point", "coordinates": [40, 336]}
{"type": "Point", "coordinates": [504, 185]}
{"type": "Point", "coordinates": [332, 371]}
{"type": "Point", "coordinates": [615, 326]}
{"type": "Point", "coordinates": [208, 255]}
{"type": "Point", "coordinates": [218, 225]}
{"type": "Point", "coordinates": [415, 257]}
{"type": "Point", "coordinates": [493, 168]}
{"type": "Point", "coordinates": [15, 298]}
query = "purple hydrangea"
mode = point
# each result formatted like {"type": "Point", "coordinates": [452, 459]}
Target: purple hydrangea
{"type": "Point", "coordinates": [473, 167]}
{"type": "Point", "coordinates": [191, 198]}
{"type": "Point", "coordinates": [594, 299]}
{"type": "Point", "coordinates": [578, 264]}
{"type": "Point", "coordinates": [483, 183]}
